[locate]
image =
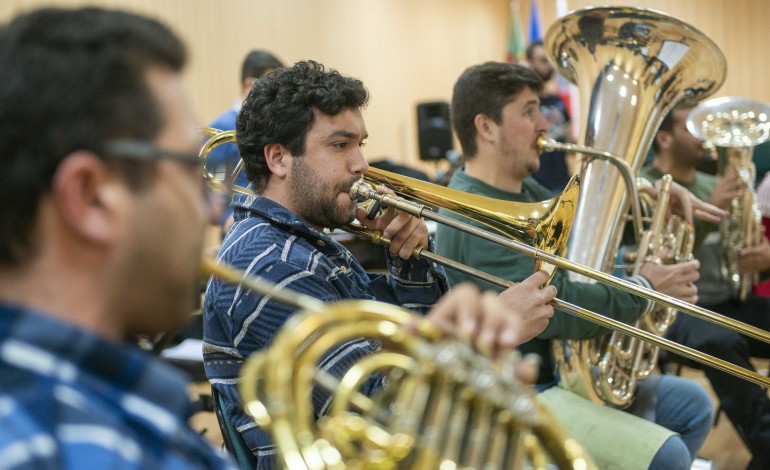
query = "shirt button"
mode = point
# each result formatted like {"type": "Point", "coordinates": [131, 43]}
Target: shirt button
{"type": "Point", "coordinates": [320, 243]}
{"type": "Point", "coordinates": [344, 269]}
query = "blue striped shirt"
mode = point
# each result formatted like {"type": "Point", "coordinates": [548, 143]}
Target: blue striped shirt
{"type": "Point", "coordinates": [70, 399]}
{"type": "Point", "coordinates": [270, 241]}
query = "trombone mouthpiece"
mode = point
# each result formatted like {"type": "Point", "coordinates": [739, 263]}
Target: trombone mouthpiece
{"type": "Point", "coordinates": [361, 191]}
{"type": "Point", "coordinates": [544, 144]}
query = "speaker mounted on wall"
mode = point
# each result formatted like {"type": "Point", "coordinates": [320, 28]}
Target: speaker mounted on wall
{"type": "Point", "coordinates": [434, 130]}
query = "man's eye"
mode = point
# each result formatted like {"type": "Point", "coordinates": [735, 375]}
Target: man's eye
{"type": "Point", "coordinates": [340, 145]}
{"type": "Point", "coordinates": [362, 144]}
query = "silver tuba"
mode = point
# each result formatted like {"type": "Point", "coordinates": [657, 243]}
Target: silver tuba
{"type": "Point", "coordinates": [734, 126]}
{"type": "Point", "coordinates": [631, 67]}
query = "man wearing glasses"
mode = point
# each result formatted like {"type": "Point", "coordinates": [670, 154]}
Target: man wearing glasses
{"type": "Point", "coordinates": [100, 239]}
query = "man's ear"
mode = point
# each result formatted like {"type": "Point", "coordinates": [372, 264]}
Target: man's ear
{"type": "Point", "coordinates": [248, 82]}
{"type": "Point", "coordinates": [89, 197]}
{"type": "Point", "coordinates": [485, 127]}
{"type": "Point", "coordinates": [278, 159]}
{"type": "Point", "coordinates": [664, 139]}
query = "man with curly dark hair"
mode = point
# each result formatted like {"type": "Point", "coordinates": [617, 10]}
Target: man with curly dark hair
{"type": "Point", "coordinates": [300, 133]}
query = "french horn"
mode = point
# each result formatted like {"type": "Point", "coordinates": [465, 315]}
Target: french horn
{"type": "Point", "coordinates": [445, 405]}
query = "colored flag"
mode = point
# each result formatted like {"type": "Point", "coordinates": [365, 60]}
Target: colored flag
{"type": "Point", "coordinates": [535, 29]}
{"type": "Point", "coordinates": [516, 49]}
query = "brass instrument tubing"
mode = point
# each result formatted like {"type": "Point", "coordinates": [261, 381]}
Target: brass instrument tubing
{"type": "Point", "coordinates": [217, 138]}
{"type": "Point", "coordinates": [210, 267]}
{"type": "Point", "coordinates": [601, 320]}
{"type": "Point", "coordinates": [420, 210]}
{"type": "Point", "coordinates": [546, 144]}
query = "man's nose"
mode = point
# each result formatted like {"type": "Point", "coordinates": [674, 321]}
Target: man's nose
{"type": "Point", "coordinates": [359, 164]}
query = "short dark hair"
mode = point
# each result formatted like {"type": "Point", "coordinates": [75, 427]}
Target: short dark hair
{"type": "Point", "coordinates": [280, 110]}
{"type": "Point", "coordinates": [667, 124]}
{"type": "Point", "coordinates": [486, 89]}
{"type": "Point", "coordinates": [257, 63]}
{"type": "Point", "coordinates": [71, 80]}
{"type": "Point", "coordinates": [530, 52]}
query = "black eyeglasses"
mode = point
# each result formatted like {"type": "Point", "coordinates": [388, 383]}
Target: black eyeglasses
{"type": "Point", "coordinates": [147, 151]}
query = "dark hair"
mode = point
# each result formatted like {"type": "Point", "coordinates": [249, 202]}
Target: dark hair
{"type": "Point", "coordinates": [257, 63]}
{"type": "Point", "coordinates": [280, 110]}
{"type": "Point", "coordinates": [667, 124]}
{"type": "Point", "coordinates": [486, 89]}
{"type": "Point", "coordinates": [530, 52]}
{"type": "Point", "coordinates": [70, 80]}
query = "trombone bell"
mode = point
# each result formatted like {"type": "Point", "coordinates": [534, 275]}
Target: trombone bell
{"type": "Point", "coordinates": [543, 225]}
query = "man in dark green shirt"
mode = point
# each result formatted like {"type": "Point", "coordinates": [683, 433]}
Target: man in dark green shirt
{"type": "Point", "coordinates": [677, 152]}
{"type": "Point", "coordinates": [496, 117]}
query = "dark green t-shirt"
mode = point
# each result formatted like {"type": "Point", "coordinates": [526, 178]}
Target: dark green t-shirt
{"type": "Point", "coordinates": [508, 264]}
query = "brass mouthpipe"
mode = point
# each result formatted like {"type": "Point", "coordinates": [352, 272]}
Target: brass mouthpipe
{"type": "Point", "coordinates": [364, 191]}
{"type": "Point", "coordinates": [545, 144]}
{"type": "Point", "coordinates": [211, 267]}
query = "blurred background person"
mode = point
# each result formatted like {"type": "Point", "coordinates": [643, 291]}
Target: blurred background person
{"type": "Point", "coordinates": [678, 153]}
{"type": "Point", "coordinates": [223, 159]}
{"type": "Point", "coordinates": [556, 168]}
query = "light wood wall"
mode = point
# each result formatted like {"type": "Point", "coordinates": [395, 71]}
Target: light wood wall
{"type": "Point", "coordinates": [405, 51]}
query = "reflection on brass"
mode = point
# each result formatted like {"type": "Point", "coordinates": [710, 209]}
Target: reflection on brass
{"type": "Point", "coordinates": [435, 195]}
{"type": "Point", "coordinates": [631, 66]}
{"type": "Point", "coordinates": [734, 126]}
{"type": "Point", "coordinates": [444, 405]}
{"type": "Point", "coordinates": [544, 225]}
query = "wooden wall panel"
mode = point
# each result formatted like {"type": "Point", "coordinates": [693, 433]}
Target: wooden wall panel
{"type": "Point", "coordinates": [405, 51]}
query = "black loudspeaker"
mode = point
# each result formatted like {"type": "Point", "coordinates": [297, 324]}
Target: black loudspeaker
{"type": "Point", "coordinates": [434, 130]}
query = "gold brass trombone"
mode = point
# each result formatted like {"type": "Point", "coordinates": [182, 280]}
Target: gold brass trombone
{"type": "Point", "coordinates": [470, 206]}
{"type": "Point", "coordinates": [439, 196]}
{"type": "Point", "coordinates": [445, 404]}
{"type": "Point", "coordinates": [219, 137]}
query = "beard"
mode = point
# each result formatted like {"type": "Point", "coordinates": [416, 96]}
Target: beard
{"type": "Point", "coordinates": [546, 76]}
{"type": "Point", "coordinates": [317, 201]}
{"type": "Point", "coordinates": [530, 166]}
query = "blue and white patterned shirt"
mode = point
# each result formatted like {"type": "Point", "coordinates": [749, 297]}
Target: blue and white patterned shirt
{"type": "Point", "coordinates": [270, 241]}
{"type": "Point", "coordinates": [72, 400]}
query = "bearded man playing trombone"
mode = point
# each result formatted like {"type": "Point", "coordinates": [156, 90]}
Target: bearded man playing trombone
{"type": "Point", "coordinates": [300, 133]}
{"type": "Point", "coordinates": [495, 114]}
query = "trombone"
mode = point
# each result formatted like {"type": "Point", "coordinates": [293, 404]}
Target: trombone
{"type": "Point", "coordinates": [456, 201]}
{"type": "Point", "coordinates": [420, 190]}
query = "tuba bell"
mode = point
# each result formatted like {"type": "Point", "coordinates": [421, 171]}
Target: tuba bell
{"type": "Point", "coordinates": [631, 67]}
{"type": "Point", "coordinates": [734, 126]}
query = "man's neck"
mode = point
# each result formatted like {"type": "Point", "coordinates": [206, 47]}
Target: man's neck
{"type": "Point", "coordinates": [60, 295]}
{"type": "Point", "coordinates": [681, 173]}
{"type": "Point", "coordinates": [493, 175]}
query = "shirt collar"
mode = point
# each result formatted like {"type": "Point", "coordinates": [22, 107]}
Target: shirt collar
{"type": "Point", "coordinates": [249, 205]}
